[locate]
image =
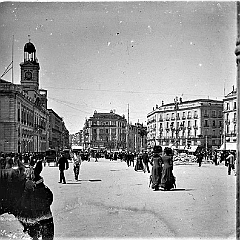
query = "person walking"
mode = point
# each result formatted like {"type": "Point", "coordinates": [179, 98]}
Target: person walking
{"type": "Point", "coordinates": [156, 163]}
{"type": "Point", "coordinates": [145, 159]}
{"type": "Point", "coordinates": [167, 180]}
{"type": "Point", "coordinates": [76, 164]}
{"type": "Point", "coordinates": [63, 165]}
{"type": "Point", "coordinates": [200, 158]}
{"type": "Point", "coordinates": [139, 163]}
{"type": "Point", "coordinates": [230, 161]}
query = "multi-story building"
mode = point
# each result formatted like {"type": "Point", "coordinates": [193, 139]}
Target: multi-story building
{"type": "Point", "coordinates": [137, 137]}
{"type": "Point", "coordinates": [23, 109]}
{"type": "Point", "coordinates": [230, 120]}
{"type": "Point", "coordinates": [58, 133]}
{"type": "Point", "coordinates": [24, 118]}
{"type": "Point", "coordinates": [186, 124]}
{"type": "Point", "coordinates": [105, 130]}
{"type": "Point", "coordinates": [76, 139]}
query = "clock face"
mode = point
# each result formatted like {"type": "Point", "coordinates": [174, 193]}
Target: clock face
{"type": "Point", "coordinates": [28, 75]}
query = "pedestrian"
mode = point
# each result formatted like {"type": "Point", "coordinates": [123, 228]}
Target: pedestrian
{"type": "Point", "coordinates": [215, 157]}
{"type": "Point", "coordinates": [156, 163]}
{"type": "Point", "coordinates": [200, 158]}
{"type": "Point", "coordinates": [145, 158]}
{"type": "Point", "coordinates": [9, 161]}
{"type": "Point", "coordinates": [35, 205]}
{"type": "Point", "coordinates": [111, 156]}
{"type": "Point", "coordinates": [96, 156]}
{"type": "Point", "coordinates": [76, 164]}
{"type": "Point", "coordinates": [230, 161]}
{"type": "Point", "coordinates": [139, 163]}
{"type": "Point", "coordinates": [167, 180]}
{"type": "Point", "coordinates": [63, 165]}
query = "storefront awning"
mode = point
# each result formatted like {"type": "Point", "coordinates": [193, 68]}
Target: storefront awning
{"type": "Point", "coordinates": [229, 146]}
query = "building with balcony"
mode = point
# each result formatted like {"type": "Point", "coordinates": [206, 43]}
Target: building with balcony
{"type": "Point", "coordinates": [186, 124]}
{"type": "Point", "coordinates": [230, 120]}
{"type": "Point", "coordinates": [105, 130]}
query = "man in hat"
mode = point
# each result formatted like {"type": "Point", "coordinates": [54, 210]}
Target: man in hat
{"type": "Point", "coordinates": [63, 165]}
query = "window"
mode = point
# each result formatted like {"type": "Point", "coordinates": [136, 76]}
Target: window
{"type": "Point", "coordinates": [214, 123]}
{"type": "Point", "coordinates": [228, 106]}
{"type": "Point", "coordinates": [206, 123]}
{"type": "Point", "coordinates": [235, 105]}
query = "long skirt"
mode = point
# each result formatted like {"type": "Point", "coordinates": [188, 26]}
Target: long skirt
{"type": "Point", "coordinates": [156, 177]}
{"type": "Point", "coordinates": [168, 179]}
{"type": "Point", "coordinates": [139, 165]}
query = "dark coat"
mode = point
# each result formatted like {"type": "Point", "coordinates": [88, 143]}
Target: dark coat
{"type": "Point", "coordinates": [145, 157]}
{"type": "Point", "coordinates": [156, 161]}
{"type": "Point", "coordinates": [63, 163]}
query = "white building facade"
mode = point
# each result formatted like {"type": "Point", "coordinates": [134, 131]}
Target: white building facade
{"type": "Point", "coordinates": [230, 121]}
{"type": "Point", "coordinates": [186, 125]}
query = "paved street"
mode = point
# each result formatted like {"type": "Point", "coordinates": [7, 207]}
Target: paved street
{"type": "Point", "coordinates": [112, 200]}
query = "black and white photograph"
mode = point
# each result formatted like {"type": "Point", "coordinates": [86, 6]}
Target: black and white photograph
{"type": "Point", "coordinates": [119, 120]}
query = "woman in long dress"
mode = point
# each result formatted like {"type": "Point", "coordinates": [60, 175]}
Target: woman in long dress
{"type": "Point", "coordinates": [156, 163]}
{"type": "Point", "coordinates": [168, 179]}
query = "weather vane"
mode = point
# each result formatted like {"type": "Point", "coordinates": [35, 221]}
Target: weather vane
{"type": "Point", "coordinates": [29, 37]}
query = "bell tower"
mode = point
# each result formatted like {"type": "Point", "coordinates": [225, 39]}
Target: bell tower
{"type": "Point", "coordinates": [30, 70]}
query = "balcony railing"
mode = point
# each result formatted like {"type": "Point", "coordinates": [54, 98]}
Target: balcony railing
{"type": "Point", "coordinates": [195, 116]}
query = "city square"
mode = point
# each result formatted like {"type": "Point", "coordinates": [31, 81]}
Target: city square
{"type": "Point", "coordinates": [111, 200]}
{"type": "Point", "coordinates": [100, 86]}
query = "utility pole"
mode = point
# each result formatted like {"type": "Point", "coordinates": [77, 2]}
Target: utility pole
{"type": "Point", "coordinates": [237, 52]}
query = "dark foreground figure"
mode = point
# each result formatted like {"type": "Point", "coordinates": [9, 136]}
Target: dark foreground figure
{"type": "Point", "coordinates": [168, 179]}
{"type": "Point", "coordinates": [24, 194]}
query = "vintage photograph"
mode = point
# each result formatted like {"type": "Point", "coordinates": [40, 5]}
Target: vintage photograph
{"type": "Point", "coordinates": [119, 119]}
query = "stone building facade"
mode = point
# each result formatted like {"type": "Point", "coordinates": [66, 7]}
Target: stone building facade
{"type": "Point", "coordinates": [24, 118]}
{"type": "Point", "coordinates": [186, 124]}
{"type": "Point", "coordinates": [230, 120]}
{"type": "Point", "coordinates": [105, 130]}
{"type": "Point", "coordinates": [23, 109]}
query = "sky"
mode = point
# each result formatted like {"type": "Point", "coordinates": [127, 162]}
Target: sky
{"type": "Point", "coordinates": [122, 55]}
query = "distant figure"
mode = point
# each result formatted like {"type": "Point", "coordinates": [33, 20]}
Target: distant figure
{"type": "Point", "coordinates": [139, 163]}
{"type": "Point", "coordinates": [9, 162]}
{"type": "Point", "coordinates": [96, 156]}
{"type": "Point", "coordinates": [230, 161]}
{"type": "Point", "coordinates": [145, 162]}
{"type": "Point", "coordinates": [63, 165]}
{"type": "Point", "coordinates": [156, 162]}
{"type": "Point", "coordinates": [167, 180]}
{"type": "Point", "coordinates": [199, 158]}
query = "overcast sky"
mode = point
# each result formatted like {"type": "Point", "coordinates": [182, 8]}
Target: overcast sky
{"type": "Point", "coordinates": [103, 56]}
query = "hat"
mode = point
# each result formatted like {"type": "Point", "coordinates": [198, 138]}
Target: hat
{"type": "Point", "coordinates": [157, 149]}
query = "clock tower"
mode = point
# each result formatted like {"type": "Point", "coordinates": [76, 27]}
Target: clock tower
{"type": "Point", "coordinates": [30, 71]}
